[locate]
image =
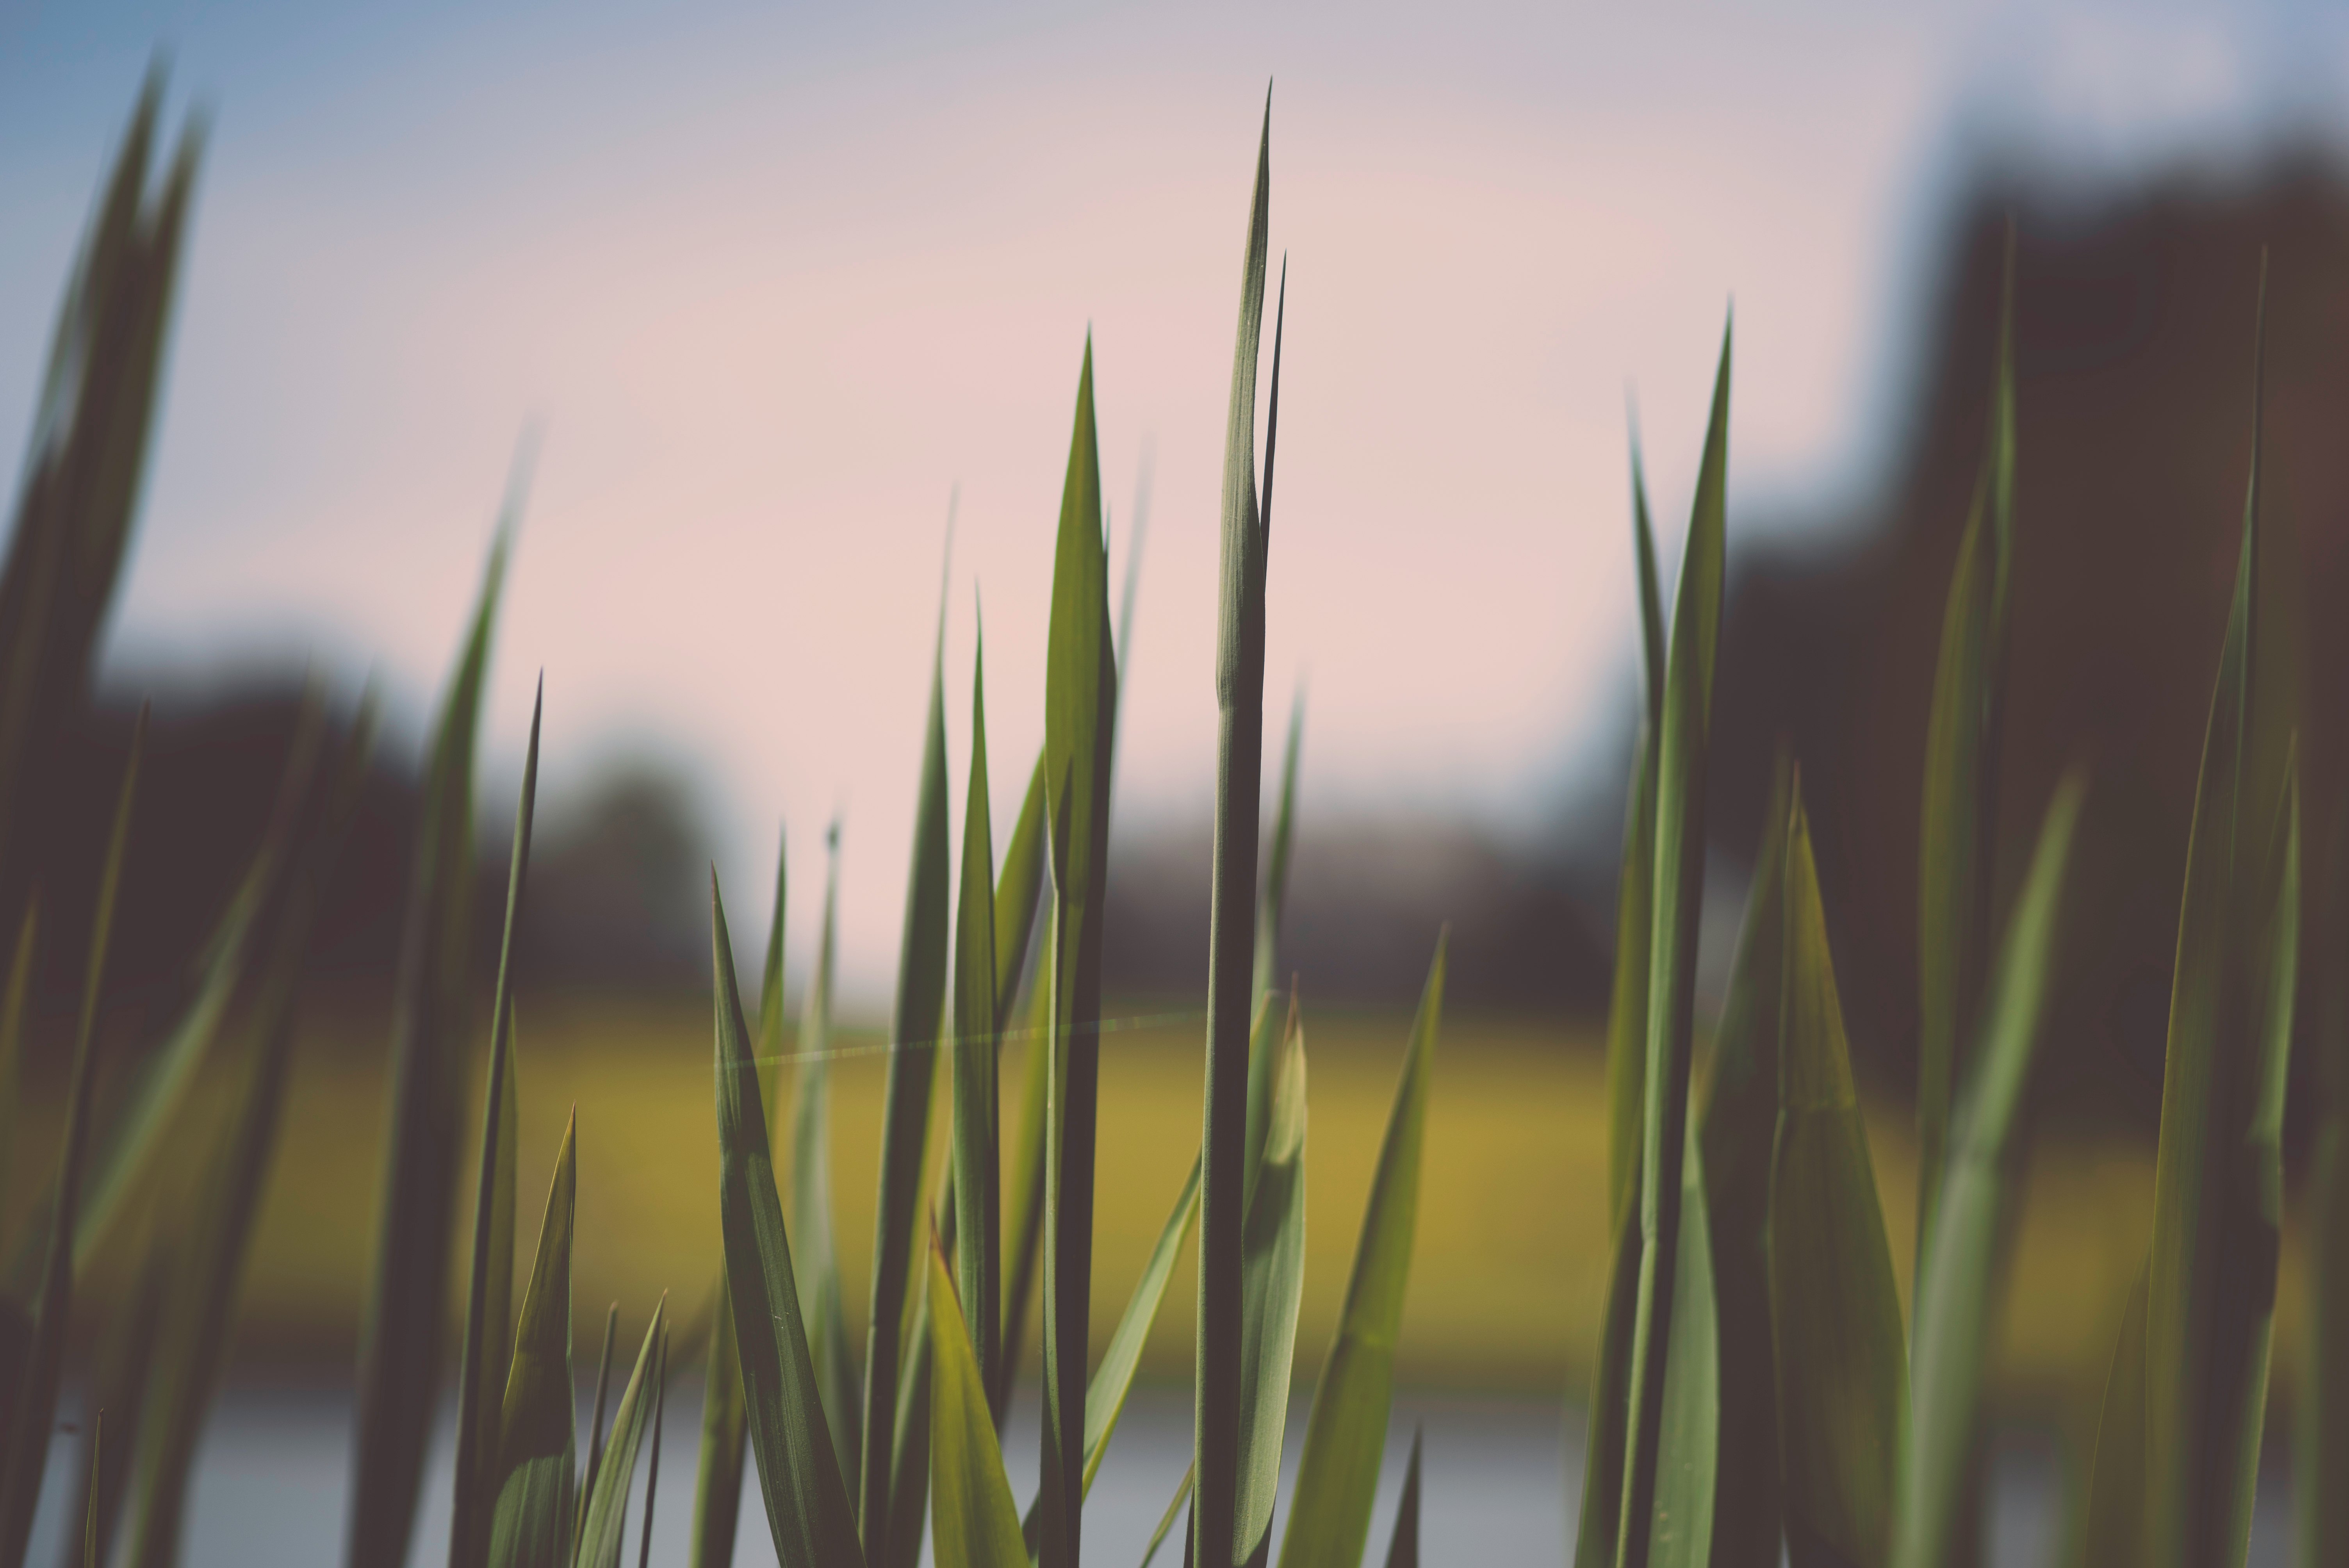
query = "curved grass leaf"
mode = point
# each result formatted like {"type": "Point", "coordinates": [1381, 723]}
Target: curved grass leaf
{"type": "Point", "coordinates": [1403, 1549]}
{"type": "Point", "coordinates": [1345, 1437]}
{"type": "Point", "coordinates": [401, 1335]}
{"type": "Point", "coordinates": [1626, 1007]}
{"type": "Point", "coordinates": [606, 1535]}
{"type": "Point", "coordinates": [531, 1522]}
{"type": "Point", "coordinates": [1272, 1279]}
{"type": "Point", "coordinates": [2113, 1533]}
{"type": "Point", "coordinates": [1019, 893]}
{"type": "Point", "coordinates": [1956, 1294]}
{"type": "Point", "coordinates": [1843, 1375]}
{"type": "Point", "coordinates": [595, 1416]}
{"type": "Point", "coordinates": [120, 1379]}
{"type": "Point", "coordinates": [1678, 894]}
{"type": "Point", "coordinates": [652, 1461]}
{"type": "Point", "coordinates": [974, 1522]}
{"type": "Point", "coordinates": [816, 1257]}
{"type": "Point", "coordinates": [978, 1236]}
{"type": "Point", "coordinates": [1681, 1533]}
{"type": "Point", "coordinates": [808, 1507]}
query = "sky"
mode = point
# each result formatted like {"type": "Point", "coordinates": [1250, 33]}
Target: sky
{"type": "Point", "coordinates": [781, 288]}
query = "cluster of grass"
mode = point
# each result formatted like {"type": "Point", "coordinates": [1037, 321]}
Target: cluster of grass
{"type": "Point", "coordinates": [1758, 1386]}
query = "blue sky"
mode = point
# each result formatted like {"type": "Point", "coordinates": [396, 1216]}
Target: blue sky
{"type": "Point", "coordinates": [774, 280]}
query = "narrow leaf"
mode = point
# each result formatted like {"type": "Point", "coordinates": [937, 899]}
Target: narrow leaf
{"type": "Point", "coordinates": [2113, 1535]}
{"type": "Point", "coordinates": [1272, 1278]}
{"type": "Point", "coordinates": [1402, 1550]}
{"type": "Point", "coordinates": [976, 1114]}
{"type": "Point", "coordinates": [975, 1523]}
{"type": "Point", "coordinates": [2321, 1445]}
{"type": "Point", "coordinates": [1175, 1510]}
{"type": "Point", "coordinates": [530, 1525]}
{"type": "Point", "coordinates": [816, 1258]}
{"type": "Point", "coordinates": [606, 1535]}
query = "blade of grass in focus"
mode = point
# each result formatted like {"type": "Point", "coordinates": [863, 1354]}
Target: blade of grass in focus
{"type": "Point", "coordinates": [532, 1520]}
{"type": "Point", "coordinates": [1842, 1368]}
{"type": "Point", "coordinates": [34, 1396]}
{"type": "Point", "coordinates": [1346, 1434]}
{"type": "Point", "coordinates": [1272, 1280]}
{"type": "Point", "coordinates": [606, 1535]}
{"type": "Point", "coordinates": [1680, 1532]}
{"type": "Point", "coordinates": [1017, 895]}
{"type": "Point", "coordinates": [809, 1510]}
{"type": "Point", "coordinates": [816, 1257]}
{"type": "Point", "coordinates": [976, 1115]}
{"type": "Point", "coordinates": [12, 1040]}
{"type": "Point", "coordinates": [975, 1524]}
{"type": "Point", "coordinates": [488, 1295]}
{"type": "Point", "coordinates": [1679, 889]}
{"type": "Point", "coordinates": [1225, 1201]}
{"type": "Point", "coordinates": [1262, 1057]}
{"type": "Point", "coordinates": [401, 1346]}
{"type": "Point", "coordinates": [1403, 1549]}
{"type": "Point", "coordinates": [1957, 1292]}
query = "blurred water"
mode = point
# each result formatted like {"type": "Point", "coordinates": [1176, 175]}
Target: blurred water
{"type": "Point", "coordinates": [1500, 1483]}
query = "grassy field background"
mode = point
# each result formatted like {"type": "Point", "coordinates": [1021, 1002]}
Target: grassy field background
{"type": "Point", "coordinates": [1505, 1288]}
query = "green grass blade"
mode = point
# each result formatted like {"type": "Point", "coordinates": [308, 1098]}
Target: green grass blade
{"type": "Point", "coordinates": [1080, 730]}
{"type": "Point", "coordinates": [606, 1535]}
{"type": "Point", "coordinates": [918, 1024]}
{"type": "Point", "coordinates": [1174, 1510]}
{"type": "Point", "coordinates": [1227, 1201]}
{"type": "Point", "coordinates": [1679, 893]}
{"type": "Point", "coordinates": [1262, 1057]}
{"type": "Point", "coordinates": [1272, 1279]}
{"type": "Point", "coordinates": [1956, 1294]}
{"type": "Point", "coordinates": [401, 1338]}
{"type": "Point", "coordinates": [1627, 1008]}
{"type": "Point", "coordinates": [2321, 1445]}
{"type": "Point", "coordinates": [652, 1461]}
{"type": "Point", "coordinates": [531, 1523]}
{"type": "Point", "coordinates": [816, 1256]}
{"type": "Point", "coordinates": [1956, 838]}
{"type": "Point", "coordinates": [1345, 1437]}
{"type": "Point", "coordinates": [975, 1523]}
{"type": "Point", "coordinates": [2113, 1533]}
{"type": "Point", "coordinates": [1607, 1422]}
{"type": "Point", "coordinates": [1843, 1373]}
{"type": "Point", "coordinates": [1402, 1550]}
{"type": "Point", "coordinates": [489, 1294]}
{"type": "Point", "coordinates": [1737, 1131]}
{"type": "Point", "coordinates": [1680, 1534]}
{"type": "Point", "coordinates": [808, 1507]}
{"type": "Point", "coordinates": [595, 1418]}
{"type": "Point", "coordinates": [36, 1396]}
{"type": "Point", "coordinates": [977, 1236]}
{"type": "Point", "coordinates": [909, 1459]}
{"type": "Point", "coordinates": [1023, 1189]}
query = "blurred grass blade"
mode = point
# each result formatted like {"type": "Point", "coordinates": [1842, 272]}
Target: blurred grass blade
{"type": "Point", "coordinates": [120, 1380]}
{"type": "Point", "coordinates": [652, 1462]}
{"type": "Point", "coordinates": [531, 1524]}
{"type": "Point", "coordinates": [1272, 1278]}
{"type": "Point", "coordinates": [909, 1457]}
{"type": "Point", "coordinates": [1627, 1007]}
{"type": "Point", "coordinates": [808, 1507]}
{"type": "Point", "coordinates": [1957, 851]}
{"type": "Point", "coordinates": [1679, 895]}
{"type": "Point", "coordinates": [1080, 727]}
{"type": "Point", "coordinates": [1957, 1292]}
{"type": "Point", "coordinates": [1262, 1057]}
{"type": "Point", "coordinates": [2211, 1293]}
{"type": "Point", "coordinates": [718, 1479]}
{"type": "Point", "coordinates": [1680, 1534]}
{"type": "Point", "coordinates": [488, 1295]}
{"type": "Point", "coordinates": [1403, 1550]}
{"type": "Point", "coordinates": [1843, 1374]}
{"type": "Point", "coordinates": [29, 1423]}
{"type": "Point", "coordinates": [815, 1256]}
{"type": "Point", "coordinates": [1018, 893]}
{"type": "Point", "coordinates": [1607, 1420]}
{"type": "Point", "coordinates": [12, 1040]}
{"type": "Point", "coordinates": [1346, 1435]}
{"type": "Point", "coordinates": [975, 1523]}
{"type": "Point", "coordinates": [2321, 1446]}
{"type": "Point", "coordinates": [2113, 1533]}
{"type": "Point", "coordinates": [1736, 1132]}
{"type": "Point", "coordinates": [1175, 1510]}
{"type": "Point", "coordinates": [192, 1354]}
{"type": "Point", "coordinates": [976, 1114]}
{"type": "Point", "coordinates": [606, 1535]}
{"type": "Point", "coordinates": [1226, 1203]}
{"type": "Point", "coordinates": [919, 1023]}
{"type": "Point", "coordinates": [89, 1507]}
{"type": "Point", "coordinates": [401, 1335]}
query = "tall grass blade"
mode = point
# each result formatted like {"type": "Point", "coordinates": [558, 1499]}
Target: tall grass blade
{"type": "Point", "coordinates": [1263, 1059]}
{"type": "Point", "coordinates": [1080, 730]}
{"type": "Point", "coordinates": [489, 1295]}
{"type": "Point", "coordinates": [2113, 1533]}
{"type": "Point", "coordinates": [919, 1021]}
{"type": "Point", "coordinates": [1017, 895]}
{"type": "Point", "coordinates": [1402, 1550]}
{"type": "Point", "coordinates": [909, 1457]}
{"type": "Point", "coordinates": [652, 1461]}
{"type": "Point", "coordinates": [1346, 1435]}
{"type": "Point", "coordinates": [1957, 829]}
{"type": "Point", "coordinates": [1672, 969]}
{"type": "Point", "coordinates": [1226, 1203]}
{"type": "Point", "coordinates": [595, 1415]}
{"type": "Point", "coordinates": [1680, 1532]}
{"type": "Point", "coordinates": [1956, 1294]}
{"type": "Point", "coordinates": [1627, 1007]}
{"type": "Point", "coordinates": [808, 1507]}
{"type": "Point", "coordinates": [2321, 1445]}
{"type": "Point", "coordinates": [816, 1258]}
{"type": "Point", "coordinates": [976, 1115]}
{"type": "Point", "coordinates": [34, 1396]}
{"type": "Point", "coordinates": [532, 1521]}
{"type": "Point", "coordinates": [120, 1379]}
{"type": "Point", "coordinates": [1606, 1423]}
{"type": "Point", "coordinates": [975, 1523]}
{"type": "Point", "coordinates": [401, 1335]}
{"type": "Point", "coordinates": [1272, 1280]}
{"type": "Point", "coordinates": [606, 1535]}
{"type": "Point", "coordinates": [1843, 1373]}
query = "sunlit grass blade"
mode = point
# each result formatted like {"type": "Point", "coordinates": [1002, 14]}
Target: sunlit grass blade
{"type": "Point", "coordinates": [1018, 894]}
{"type": "Point", "coordinates": [1263, 1059]}
{"type": "Point", "coordinates": [975, 1523]}
{"type": "Point", "coordinates": [488, 1295]}
{"type": "Point", "coordinates": [2212, 1289]}
{"type": "Point", "coordinates": [1843, 1371]}
{"type": "Point", "coordinates": [1272, 1280]}
{"type": "Point", "coordinates": [1080, 730]}
{"type": "Point", "coordinates": [815, 1255]}
{"type": "Point", "coordinates": [606, 1535]}
{"type": "Point", "coordinates": [191, 1355]}
{"type": "Point", "coordinates": [652, 1461]}
{"type": "Point", "coordinates": [36, 1391]}
{"type": "Point", "coordinates": [1626, 1007]}
{"type": "Point", "coordinates": [2321, 1445]}
{"type": "Point", "coordinates": [809, 1510]}
{"type": "Point", "coordinates": [1957, 826]}
{"type": "Point", "coordinates": [1023, 1187]}
{"type": "Point", "coordinates": [1346, 1435]}
{"type": "Point", "coordinates": [401, 1335]}
{"type": "Point", "coordinates": [2113, 1535]}
{"type": "Point", "coordinates": [1737, 1131]}
{"type": "Point", "coordinates": [90, 1497]}
{"type": "Point", "coordinates": [1402, 1548]}
{"type": "Point", "coordinates": [976, 1113]}
{"type": "Point", "coordinates": [717, 1479]}
{"type": "Point", "coordinates": [1225, 1201]}
{"type": "Point", "coordinates": [918, 1024]}
{"type": "Point", "coordinates": [1956, 1294]}
{"type": "Point", "coordinates": [1679, 895]}
{"type": "Point", "coordinates": [532, 1520]}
